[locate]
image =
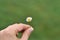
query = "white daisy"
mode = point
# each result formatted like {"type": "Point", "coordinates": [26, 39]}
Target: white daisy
{"type": "Point", "coordinates": [29, 19]}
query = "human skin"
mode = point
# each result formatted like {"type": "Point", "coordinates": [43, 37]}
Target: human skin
{"type": "Point", "coordinates": [11, 31]}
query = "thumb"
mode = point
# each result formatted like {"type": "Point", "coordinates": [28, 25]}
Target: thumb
{"type": "Point", "coordinates": [26, 34]}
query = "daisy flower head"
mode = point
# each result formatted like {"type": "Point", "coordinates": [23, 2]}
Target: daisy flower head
{"type": "Point", "coordinates": [28, 19]}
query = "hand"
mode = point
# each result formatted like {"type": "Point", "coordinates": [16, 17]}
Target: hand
{"type": "Point", "coordinates": [11, 31]}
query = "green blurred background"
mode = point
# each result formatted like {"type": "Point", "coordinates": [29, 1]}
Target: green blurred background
{"type": "Point", "coordinates": [45, 14]}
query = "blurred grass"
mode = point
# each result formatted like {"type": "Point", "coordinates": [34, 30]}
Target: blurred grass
{"type": "Point", "coordinates": [45, 14]}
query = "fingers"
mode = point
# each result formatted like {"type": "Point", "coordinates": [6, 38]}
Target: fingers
{"type": "Point", "coordinates": [15, 28]}
{"type": "Point", "coordinates": [26, 34]}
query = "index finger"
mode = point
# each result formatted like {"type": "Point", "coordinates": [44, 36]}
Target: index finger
{"type": "Point", "coordinates": [15, 28]}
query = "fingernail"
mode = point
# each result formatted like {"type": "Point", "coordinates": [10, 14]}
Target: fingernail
{"type": "Point", "coordinates": [31, 29]}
